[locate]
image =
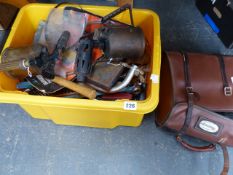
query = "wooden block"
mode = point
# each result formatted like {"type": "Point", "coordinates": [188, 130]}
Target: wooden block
{"type": "Point", "coordinates": [123, 2]}
{"type": "Point", "coordinates": [7, 14]}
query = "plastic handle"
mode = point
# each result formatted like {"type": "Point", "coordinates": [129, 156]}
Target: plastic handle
{"type": "Point", "coordinates": [210, 147]}
{"type": "Point", "coordinates": [81, 89]}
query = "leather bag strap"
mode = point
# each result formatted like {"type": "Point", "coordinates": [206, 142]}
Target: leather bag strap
{"type": "Point", "coordinates": [210, 147]}
{"type": "Point", "coordinates": [226, 160]}
{"type": "Point", "coordinates": [190, 94]}
{"type": "Point", "coordinates": [226, 88]}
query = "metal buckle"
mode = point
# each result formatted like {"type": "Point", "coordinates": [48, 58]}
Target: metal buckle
{"type": "Point", "coordinates": [189, 89]}
{"type": "Point", "coordinates": [228, 91]}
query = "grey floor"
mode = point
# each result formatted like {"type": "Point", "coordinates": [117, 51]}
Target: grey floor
{"type": "Point", "coordinates": [30, 146]}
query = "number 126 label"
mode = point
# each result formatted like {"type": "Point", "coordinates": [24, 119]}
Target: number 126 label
{"type": "Point", "coordinates": [130, 105]}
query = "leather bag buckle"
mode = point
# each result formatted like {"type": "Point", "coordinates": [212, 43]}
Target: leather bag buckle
{"type": "Point", "coordinates": [228, 91]}
{"type": "Point", "coordinates": [189, 90]}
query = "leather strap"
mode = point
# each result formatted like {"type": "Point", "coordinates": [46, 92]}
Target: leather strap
{"type": "Point", "coordinates": [210, 147]}
{"type": "Point", "coordinates": [190, 94]}
{"type": "Point", "coordinates": [226, 160]}
{"type": "Point", "coordinates": [226, 88]}
{"type": "Point", "coordinates": [186, 71]}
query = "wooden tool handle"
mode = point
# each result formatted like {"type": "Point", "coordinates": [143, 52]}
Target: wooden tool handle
{"type": "Point", "coordinates": [81, 89]}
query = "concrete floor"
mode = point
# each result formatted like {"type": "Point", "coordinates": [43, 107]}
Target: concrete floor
{"type": "Point", "coordinates": [30, 146]}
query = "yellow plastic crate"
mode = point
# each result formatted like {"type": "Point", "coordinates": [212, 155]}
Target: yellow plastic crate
{"type": "Point", "coordinates": [82, 112]}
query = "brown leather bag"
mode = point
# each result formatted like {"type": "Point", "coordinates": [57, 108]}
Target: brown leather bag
{"type": "Point", "coordinates": [192, 86]}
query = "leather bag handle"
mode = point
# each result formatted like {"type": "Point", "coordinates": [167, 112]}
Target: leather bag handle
{"type": "Point", "coordinates": [210, 147]}
{"type": "Point", "coordinates": [226, 160]}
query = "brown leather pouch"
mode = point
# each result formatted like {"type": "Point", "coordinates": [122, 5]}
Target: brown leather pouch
{"type": "Point", "coordinates": [203, 124]}
{"type": "Point", "coordinates": [192, 86]}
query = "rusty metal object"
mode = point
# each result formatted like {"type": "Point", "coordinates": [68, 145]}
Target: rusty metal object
{"type": "Point", "coordinates": [124, 42]}
{"type": "Point", "coordinates": [104, 75]}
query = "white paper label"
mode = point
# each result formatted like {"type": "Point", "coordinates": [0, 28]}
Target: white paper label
{"type": "Point", "coordinates": [154, 78]}
{"type": "Point", "coordinates": [132, 106]}
{"type": "Point", "coordinates": [232, 80]}
{"type": "Point", "coordinates": [208, 126]}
